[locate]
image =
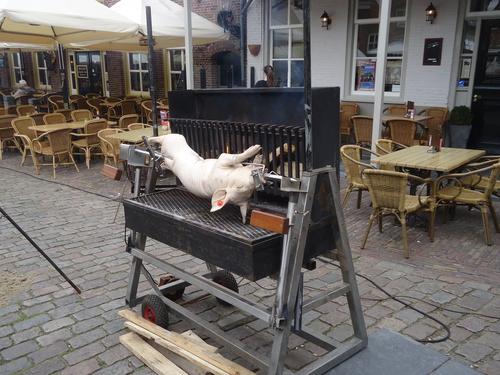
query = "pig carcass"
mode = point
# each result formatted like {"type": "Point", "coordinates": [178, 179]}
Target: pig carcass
{"type": "Point", "coordinates": [224, 180]}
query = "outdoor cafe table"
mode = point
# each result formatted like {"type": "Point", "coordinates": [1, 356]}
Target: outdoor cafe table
{"type": "Point", "coordinates": [135, 136]}
{"type": "Point", "coordinates": [417, 118]}
{"type": "Point", "coordinates": [417, 157]}
{"type": "Point", "coordinates": [75, 125]}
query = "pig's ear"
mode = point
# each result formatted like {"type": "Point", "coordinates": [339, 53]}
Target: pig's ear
{"type": "Point", "coordinates": [219, 199]}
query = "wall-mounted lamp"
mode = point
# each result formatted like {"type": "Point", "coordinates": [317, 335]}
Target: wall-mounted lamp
{"type": "Point", "coordinates": [430, 13]}
{"type": "Point", "coordinates": [325, 20]}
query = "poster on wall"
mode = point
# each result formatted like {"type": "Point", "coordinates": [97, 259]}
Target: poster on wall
{"type": "Point", "coordinates": [366, 76]}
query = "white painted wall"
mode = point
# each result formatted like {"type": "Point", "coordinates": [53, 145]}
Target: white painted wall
{"type": "Point", "coordinates": [331, 49]}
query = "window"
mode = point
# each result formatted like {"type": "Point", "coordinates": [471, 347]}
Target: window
{"type": "Point", "coordinates": [139, 74]}
{"type": "Point", "coordinates": [41, 70]}
{"type": "Point", "coordinates": [366, 26]}
{"type": "Point", "coordinates": [177, 60]}
{"type": "Point", "coordinates": [16, 66]}
{"type": "Point", "coordinates": [484, 5]}
{"type": "Point", "coordinates": [287, 42]}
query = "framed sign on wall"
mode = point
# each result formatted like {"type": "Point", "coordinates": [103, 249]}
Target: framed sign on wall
{"type": "Point", "coordinates": [432, 51]}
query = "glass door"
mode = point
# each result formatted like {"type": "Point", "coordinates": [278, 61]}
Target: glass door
{"type": "Point", "coordinates": [89, 72]}
{"type": "Point", "coordinates": [485, 132]}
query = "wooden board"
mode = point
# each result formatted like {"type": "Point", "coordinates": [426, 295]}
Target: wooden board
{"type": "Point", "coordinates": [112, 172]}
{"type": "Point", "coordinates": [150, 356]}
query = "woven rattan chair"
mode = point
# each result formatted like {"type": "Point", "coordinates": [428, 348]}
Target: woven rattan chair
{"type": "Point", "coordinates": [88, 140]}
{"type": "Point", "coordinates": [25, 110]}
{"type": "Point", "coordinates": [12, 110]}
{"type": "Point", "coordinates": [403, 131]}
{"type": "Point", "coordinates": [59, 145]}
{"type": "Point", "coordinates": [138, 125]}
{"type": "Point", "coordinates": [434, 126]}
{"type": "Point", "coordinates": [363, 126]}
{"type": "Point", "coordinates": [55, 102]}
{"type": "Point", "coordinates": [92, 95]}
{"type": "Point", "coordinates": [147, 108]}
{"type": "Point", "coordinates": [81, 115]}
{"type": "Point", "coordinates": [481, 182]}
{"type": "Point", "coordinates": [95, 106]}
{"type": "Point", "coordinates": [110, 147]}
{"type": "Point", "coordinates": [7, 139]}
{"type": "Point", "coordinates": [126, 120]}
{"type": "Point", "coordinates": [54, 118]}
{"type": "Point", "coordinates": [398, 110]}
{"type": "Point", "coordinates": [122, 108]}
{"type": "Point", "coordinates": [26, 135]}
{"type": "Point", "coordinates": [66, 112]}
{"type": "Point", "coordinates": [388, 193]}
{"type": "Point", "coordinates": [386, 146]}
{"type": "Point", "coordinates": [351, 157]}
{"type": "Point", "coordinates": [456, 189]}
{"type": "Point", "coordinates": [80, 103]}
{"type": "Point", "coordinates": [347, 110]}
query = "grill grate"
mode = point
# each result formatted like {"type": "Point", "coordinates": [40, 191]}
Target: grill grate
{"type": "Point", "coordinates": [184, 206]}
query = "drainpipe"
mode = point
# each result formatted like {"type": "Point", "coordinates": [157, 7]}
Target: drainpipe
{"type": "Point", "coordinates": [244, 5]}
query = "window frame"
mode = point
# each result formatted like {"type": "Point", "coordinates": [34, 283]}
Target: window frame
{"type": "Point", "coordinates": [140, 71]}
{"type": "Point", "coordinates": [351, 83]}
{"type": "Point", "coordinates": [177, 73]}
{"type": "Point", "coordinates": [290, 28]}
{"type": "Point", "coordinates": [43, 68]}
{"type": "Point", "coordinates": [16, 70]}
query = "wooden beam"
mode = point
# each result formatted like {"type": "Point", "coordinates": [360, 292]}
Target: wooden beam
{"type": "Point", "coordinates": [150, 356]}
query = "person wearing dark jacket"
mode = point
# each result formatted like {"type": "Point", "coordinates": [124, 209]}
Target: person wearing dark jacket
{"type": "Point", "coordinates": [268, 80]}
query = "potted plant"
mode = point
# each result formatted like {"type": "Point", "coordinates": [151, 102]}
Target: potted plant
{"type": "Point", "coordinates": [459, 126]}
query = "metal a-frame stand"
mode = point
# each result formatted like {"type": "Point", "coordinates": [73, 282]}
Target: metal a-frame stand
{"type": "Point", "coordinates": [285, 316]}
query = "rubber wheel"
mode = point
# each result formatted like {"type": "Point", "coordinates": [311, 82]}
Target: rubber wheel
{"type": "Point", "coordinates": [226, 279]}
{"type": "Point", "coordinates": [154, 310]}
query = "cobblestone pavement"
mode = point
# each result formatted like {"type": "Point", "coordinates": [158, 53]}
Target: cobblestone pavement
{"type": "Point", "coordinates": [76, 219]}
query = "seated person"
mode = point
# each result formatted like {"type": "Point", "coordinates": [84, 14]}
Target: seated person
{"type": "Point", "coordinates": [23, 90]}
{"type": "Point", "coordinates": [268, 80]}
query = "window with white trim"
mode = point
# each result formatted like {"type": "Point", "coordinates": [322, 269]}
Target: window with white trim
{"type": "Point", "coordinates": [138, 74]}
{"type": "Point", "coordinates": [42, 71]}
{"type": "Point", "coordinates": [366, 25]}
{"type": "Point", "coordinates": [287, 42]}
{"type": "Point", "coordinates": [16, 67]}
{"type": "Point", "coordinates": [176, 61]}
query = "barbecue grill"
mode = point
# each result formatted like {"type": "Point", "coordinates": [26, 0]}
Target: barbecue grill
{"type": "Point", "coordinates": [310, 199]}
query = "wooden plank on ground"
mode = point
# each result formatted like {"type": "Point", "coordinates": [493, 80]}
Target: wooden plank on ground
{"type": "Point", "coordinates": [159, 334]}
{"type": "Point", "coordinates": [150, 356]}
{"type": "Point", "coordinates": [190, 335]}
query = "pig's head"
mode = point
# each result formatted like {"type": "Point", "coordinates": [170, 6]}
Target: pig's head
{"type": "Point", "coordinates": [239, 190]}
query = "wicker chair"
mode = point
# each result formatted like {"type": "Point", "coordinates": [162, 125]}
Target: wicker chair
{"type": "Point", "coordinates": [138, 125]}
{"type": "Point", "coordinates": [388, 193]}
{"type": "Point", "coordinates": [147, 108]}
{"type": "Point", "coordinates": [95, 106]}
{"type": "Point", "coordinates": [122, 108]}
{"type": "Point", "coordinates": [55, 102]}
{"type": "Point", "coordinates": [351, 157]}
{"type": "Point", "coordinates": [363, 126]}
{"type": "Point", "coordinates": [88, 140]}
{"type": "Point", "coordinates": [481, 182]}
{"type": "Point", "coordinates": [110, 147]}
{"type": "Point", "coordinates": [12, 109]}
{"type": "Point", "coordinates": [440, 115]}
{"type": "Point", "coordinates": [54, 118]}
{"type": "Point", "coordinates": [22, 130]}
{"type": "Point", "coordinates": [126, 120]}
{"type": "Point", "coordinates": [81, 115]}
{"type": "Point", "coordinates": [92, 95]}
{"type": "Point", "coordinates": [59, 145]}
{"type": "Point", "coordinates": [24, 110]}
{"type": "Point", "coordinates": [66, 112]}
{"type": "Point", "coordinates": [7, 139]}
{"type": "Point", "coordinates": [347, 110]}
{"type": "Point", "coordinates": [399, 110]}
{"type": "Point", "coordinates": [386, 146]}
{"type": "Point", "coordinates": [455, 188]}
{"type": "Point", "coordinates": [403, 131]}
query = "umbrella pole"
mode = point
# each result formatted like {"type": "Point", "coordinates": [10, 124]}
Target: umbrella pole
{"type": "Point", "coordinates": [62, 71]}
{"type": "Point", "coordinates": [152, 81]}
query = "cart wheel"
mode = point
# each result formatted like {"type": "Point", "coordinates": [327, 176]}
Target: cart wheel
{"type": "Point", "coordinates": [154, 310]}
{"type": "Point", "coordinates": [173, 296]}
{"type": "Point", "coordinates": [227, 280]}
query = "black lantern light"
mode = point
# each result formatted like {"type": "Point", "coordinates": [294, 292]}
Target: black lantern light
{"type": "Point", "coordinates": [430, 13]}
{"type": "Point", "coordinates": [325, 20]}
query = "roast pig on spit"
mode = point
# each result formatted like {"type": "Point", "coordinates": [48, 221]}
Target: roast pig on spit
{"type": "Point", "coordinates": [224, 180]}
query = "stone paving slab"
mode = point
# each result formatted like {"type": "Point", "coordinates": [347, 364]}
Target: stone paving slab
{"type": "Point", "coordinates": [76, 219]}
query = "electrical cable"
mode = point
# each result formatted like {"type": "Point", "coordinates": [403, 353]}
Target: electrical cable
{"type": "Point", "coordinates": [433, 341]}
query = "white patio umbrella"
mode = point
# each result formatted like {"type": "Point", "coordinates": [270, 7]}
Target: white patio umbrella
{"type": "Point", "coordinates": [45, 23]}
{"type": "Point", "coordinates": [167, 23]}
